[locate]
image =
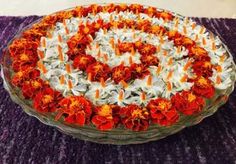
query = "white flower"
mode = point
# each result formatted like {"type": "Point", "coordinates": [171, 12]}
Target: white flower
{"type": "Point", "coordinates": [77, 88]}
{"type": "Point", "coordinates": [142, 98]}
{"type": "Point", "coordinates": [176, 54]}
{"type": "Point", "coordinates": [99, 93]}
{"type": "Point", "coordinates": [224, 84]}
{"type": "Point", "coordinates": [150, 85]}
{"type": "Point", "coordinates": [121, 97]}
{"type": "Point", "coordinates": [222, 79]}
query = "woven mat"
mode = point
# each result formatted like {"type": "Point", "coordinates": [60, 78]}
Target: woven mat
{"type": "Point", "coordinates": [23, 139]}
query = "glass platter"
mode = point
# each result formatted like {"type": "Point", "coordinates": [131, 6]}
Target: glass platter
{"type": "Point", "coordinates": [118, 136]}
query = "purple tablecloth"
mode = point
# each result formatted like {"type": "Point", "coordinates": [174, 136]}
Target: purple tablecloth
{"type": "Point", "coordinates": [23, 139]}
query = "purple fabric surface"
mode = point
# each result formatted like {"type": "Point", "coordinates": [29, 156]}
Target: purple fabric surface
{"type": "Point", "coordinates": [23, 139]}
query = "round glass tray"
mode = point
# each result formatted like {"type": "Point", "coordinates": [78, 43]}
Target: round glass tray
{"type": "Point", "coordinates": [118, 136]}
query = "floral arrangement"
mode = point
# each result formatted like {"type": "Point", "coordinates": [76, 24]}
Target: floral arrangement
{"type": "Point", "coordinates": [118, 65]}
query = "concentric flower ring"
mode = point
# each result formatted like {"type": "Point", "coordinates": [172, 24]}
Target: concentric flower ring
{"type": "Point", "coordinates": [119, 64]}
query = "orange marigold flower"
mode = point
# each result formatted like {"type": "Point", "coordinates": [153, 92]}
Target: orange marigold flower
{"type": "Point", "coordinates": [136, 8]}
{"type": "Point", "coordinates": [106, 117]}
{"type": "Point", "coordinates": [78, 39]}
{"type": "Point", "coordinates": [34, 34]}
{"type": "Point", "coordinates": [184, 41]}
{"type": "Point", "coordinates": [20, 77]}
{"type": "Point", "coordinates": [23, 46]}
{"type": "Point", "coordinates": [121, 72]}
{"type": "Point", "coordinates": [77, 45]}
{"type": "Point", "coordinates": [23, 61]}
{"type": "Point", "coordinates": [198, 53]}
{"type": "Point", "coordinates": [121, 7]}
{"type": "Point", "coordinates": [147, 49]}
{"type": "Point", "coordinates": [187, 102]}
{"type": "Point", "coordinates": [87, 29]}
{"type": "Point", "coordinates": [143, 25]}
{"type": "Point", "coordinates": [98, 24]}
{"type": "Point", "coordinates": [125, 47]}
{"type": "Point", "coordinates": [203, 87]}
{"type": "Point", "coordinates": [47, 100]}
{"type": "Point", "coordinates": [94, 8]}
{"type": "Point", "coordinates": [81, 11]}
{"type": "Point", "coordinates": [49, 19]}
{"type": "Point", "coordinates": [129, 23]}
{"type": "Point", "coordinates": [83, 61]}
{"type": "Point", "coordinates": [149, 60]}
{"type": "Point", "coordinates": [43, 26]}
{"type": "Point", "coordinates": [26, 57]}
{"type": "Point", "coordinates": [155, 29]}
{"type": "Point", "coordinates": [139, 71]}
{"type": "Point", "coordinates": [72, 53]}
{"type": "Point", "coordinates": [150, 11]}
{"type": "Point", "coordinates": [203, 68]}
{"type": "Point", "coordinates": [138, 44]}
{"type": "Point", "coordinates": [187, 42]}
{"type": "Point", "coordinates": [172, 35]}
{"type": "Point", "coordinates": [108, 8]}
{"type": "Point", "coordinates": [162, 112]}
{"type": "Point", "coordinates": [165, 15]}
{"type": "Point", "coordinates": [107, 25]}
{"type": "Point", "coordinates": [111, 7]}
{"type": "Point", "coordinates": [61, 15]}
{"type": "Point", "coordinates": [76, 109]}
{"type": "Point", "coordinates": [19, 65]}
{"type": "Point", "coordinates": [135, 117]}
{"type": "Point", "coordinates": [32, 87]}
{"type": "Point", "coordinates": [98, 70]}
